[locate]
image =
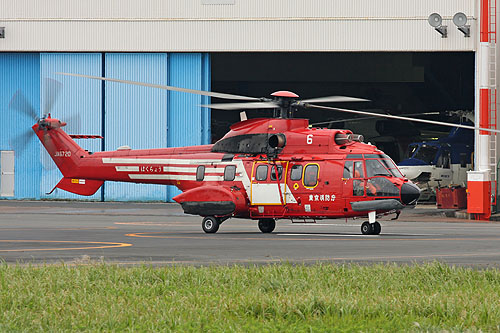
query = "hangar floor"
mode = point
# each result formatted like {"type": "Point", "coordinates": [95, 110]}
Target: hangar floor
{"type": "Point", "coordinates": [160, 234]}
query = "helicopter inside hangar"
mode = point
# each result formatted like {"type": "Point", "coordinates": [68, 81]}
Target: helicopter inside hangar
{"type": "Point", "coordinates": [420, 84]}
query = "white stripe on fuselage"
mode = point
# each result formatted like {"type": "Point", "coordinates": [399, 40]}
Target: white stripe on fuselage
{"type": "Point", "coordinates": [109, 160]}
{"type": "Point", "coordinates": [241, 172]}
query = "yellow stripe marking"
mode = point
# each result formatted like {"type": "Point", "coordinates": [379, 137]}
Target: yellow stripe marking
{"type": "Point", "coordinates": [100, 245]}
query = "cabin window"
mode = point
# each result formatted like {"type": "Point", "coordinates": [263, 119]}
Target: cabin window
{"type": "Point", "coordinates": [230, 172]}
{"type": "Point", "coordinates": [348, 169]}
{"type": "Point", "coordinates": [276, 175]}
{"type": "Point", "coordinates": [375, 168]}
{"type": "Point", "coordinates": [296, 172]}
{"type": "Point", "coordinates": [200, 173]}
{"type": "Point", "coordinates": [261, 172]}
{"type": "Point", "coordinates": [311, 175]}
{"type": "Point", "coordinates": [381, 187]}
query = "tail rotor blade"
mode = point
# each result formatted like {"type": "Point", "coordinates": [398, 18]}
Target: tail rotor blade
{"type": "Point", "coordinates": [21, 104]}
{"type": "Point", "coordinates": [19, 143]}
{"type": "Point", "coordinates": [73, 124]}
{"type": "Point", "coordinates": [52, 91]}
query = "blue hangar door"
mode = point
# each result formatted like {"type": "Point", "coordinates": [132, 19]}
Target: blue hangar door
{"type": "Point", "coordinates": [139, 117]}
{"type": "Point", "coordinates": [20, 72]}
{"type": "Point", "coordinates": [142, 117]}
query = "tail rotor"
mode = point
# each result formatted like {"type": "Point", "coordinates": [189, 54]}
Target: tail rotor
{"type": "Point", "coordinates": [21, 104]}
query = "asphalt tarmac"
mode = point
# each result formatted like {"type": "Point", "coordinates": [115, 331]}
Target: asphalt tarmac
{"type": "Point", "coordinates": [160, 234]}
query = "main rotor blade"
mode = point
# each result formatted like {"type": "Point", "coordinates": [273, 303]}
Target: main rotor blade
{"type": "Point", "coordinates": [364, 118]}
{"type": "Point", "coordinates": [242, 106]}
{"type": "Point", "coordinates": [403, 118]}
{"type": "Point", "coordinates": [21, 104]}
{"type": "Point", "coordinates": [159, 86]}
{"type": "Point", "coordinates": [51, 92]}
{"type": "Point", "coordinates": [334, 99]}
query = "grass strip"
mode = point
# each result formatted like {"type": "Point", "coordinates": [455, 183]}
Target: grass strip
{"type": "Point", "coordinates": [299, 298]}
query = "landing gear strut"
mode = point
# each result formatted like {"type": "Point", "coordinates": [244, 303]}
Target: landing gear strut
{"type": "Point", "coordinates": [371, 227]}
{"type": "Point", "coordinates": [267, 225]}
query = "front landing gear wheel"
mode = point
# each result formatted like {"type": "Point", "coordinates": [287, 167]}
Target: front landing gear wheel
{"type": "Point", "coordinates": [210, 224]}
{"type": "Point", "coordinates": [366, 228]}
{"type": "Point", "coordinates": [267, 225]}
{"type": "Point", "coordinates": [377, 228]}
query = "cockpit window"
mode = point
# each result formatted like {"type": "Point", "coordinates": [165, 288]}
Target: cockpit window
{"type": "Point", "coordinates": [358, 169]}
{"type": "Point", "coordinates": [348, 169]}
{"type": "Point", "coordinates": [391, 166]}
{"type": "Point", "coordinates": [426, 153]}
{"type": "Point", "coordinates": [375, 168]}
{"type": "Point", "coordinates": [353, 169]}
{"type": "Point", "coordinates": [381, 187]}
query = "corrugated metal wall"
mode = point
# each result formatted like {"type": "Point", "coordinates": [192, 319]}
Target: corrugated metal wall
{"type": "Point", "coordinates": [21, 71]}
{"type": "Point", "coordinates": [259, 25]}
{"type": "Point", "coordinates": [79, 104]}
{"type": "Point", "coordinates": [135, 116]}
{"type": "Point", "coordinates": [188, 123]}
{"type": "Point", "coordinates": [140, 117]}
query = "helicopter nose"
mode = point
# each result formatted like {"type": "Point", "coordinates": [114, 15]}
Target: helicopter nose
{"type": "Point", "coordinates": [409, 193]}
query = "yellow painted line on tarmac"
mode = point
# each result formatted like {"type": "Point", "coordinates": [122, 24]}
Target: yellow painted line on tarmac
{"type": "Point", "coordinates": [99, 245]}
{"type": "Point", "coordinates": [62, 229]}
{"type": "Point", "coordinates": [293, 238]}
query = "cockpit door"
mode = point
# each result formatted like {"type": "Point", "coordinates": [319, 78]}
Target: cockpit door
{"type": "Point", "coordinates": [268, 183]}
{"type": "Point", "coordinates": [353, 181]}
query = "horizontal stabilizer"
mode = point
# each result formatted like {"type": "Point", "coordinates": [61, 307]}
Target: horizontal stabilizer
{"type": "Point", "coordinates": [80, 186]}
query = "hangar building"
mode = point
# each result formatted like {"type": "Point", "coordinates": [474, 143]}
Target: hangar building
{"type": "Point", "coordinates": [382, 50]}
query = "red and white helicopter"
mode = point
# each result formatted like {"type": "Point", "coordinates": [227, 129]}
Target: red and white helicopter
{"type": "Point", "coordinates": [263, 169]}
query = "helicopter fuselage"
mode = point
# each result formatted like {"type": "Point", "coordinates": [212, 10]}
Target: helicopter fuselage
{"type": "Point", "coordinates": [270, 168]}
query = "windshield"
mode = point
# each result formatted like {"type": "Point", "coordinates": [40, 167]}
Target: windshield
{"type": "Point", "coordinates": [391, 166]}
{"type": "Point", "coordinates": [426, 153]}
{"type": "Point", "coordinates": [375, 168]}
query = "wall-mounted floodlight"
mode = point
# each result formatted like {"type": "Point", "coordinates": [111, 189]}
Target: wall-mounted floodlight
{"type": "Point", "coordinates": [460, 21]}
{"type": "Point", "coordinates": [2, 32]}
{"type": "Point", "coordinates": [435, 21]}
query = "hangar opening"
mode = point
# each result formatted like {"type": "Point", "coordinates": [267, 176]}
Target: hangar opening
{"type": "Point", "coordinates": [430, 85]}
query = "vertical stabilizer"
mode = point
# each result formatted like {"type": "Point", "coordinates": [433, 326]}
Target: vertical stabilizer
{"type": "Point", "coordinates": [65, 152]}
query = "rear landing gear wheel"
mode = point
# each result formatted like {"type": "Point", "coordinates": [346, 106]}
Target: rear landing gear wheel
{"type": "Point", "coordinates": [366, 228]}
{"type": "Point", "coordinates": [210, 224]}
{"type": "Point", "coordinates": [267, 225]}
{"type": "Point", "coordinates": [377, 228]}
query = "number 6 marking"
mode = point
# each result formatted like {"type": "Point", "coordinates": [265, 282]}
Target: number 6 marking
{"type": "Point", "coordinates": [309, 139]}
